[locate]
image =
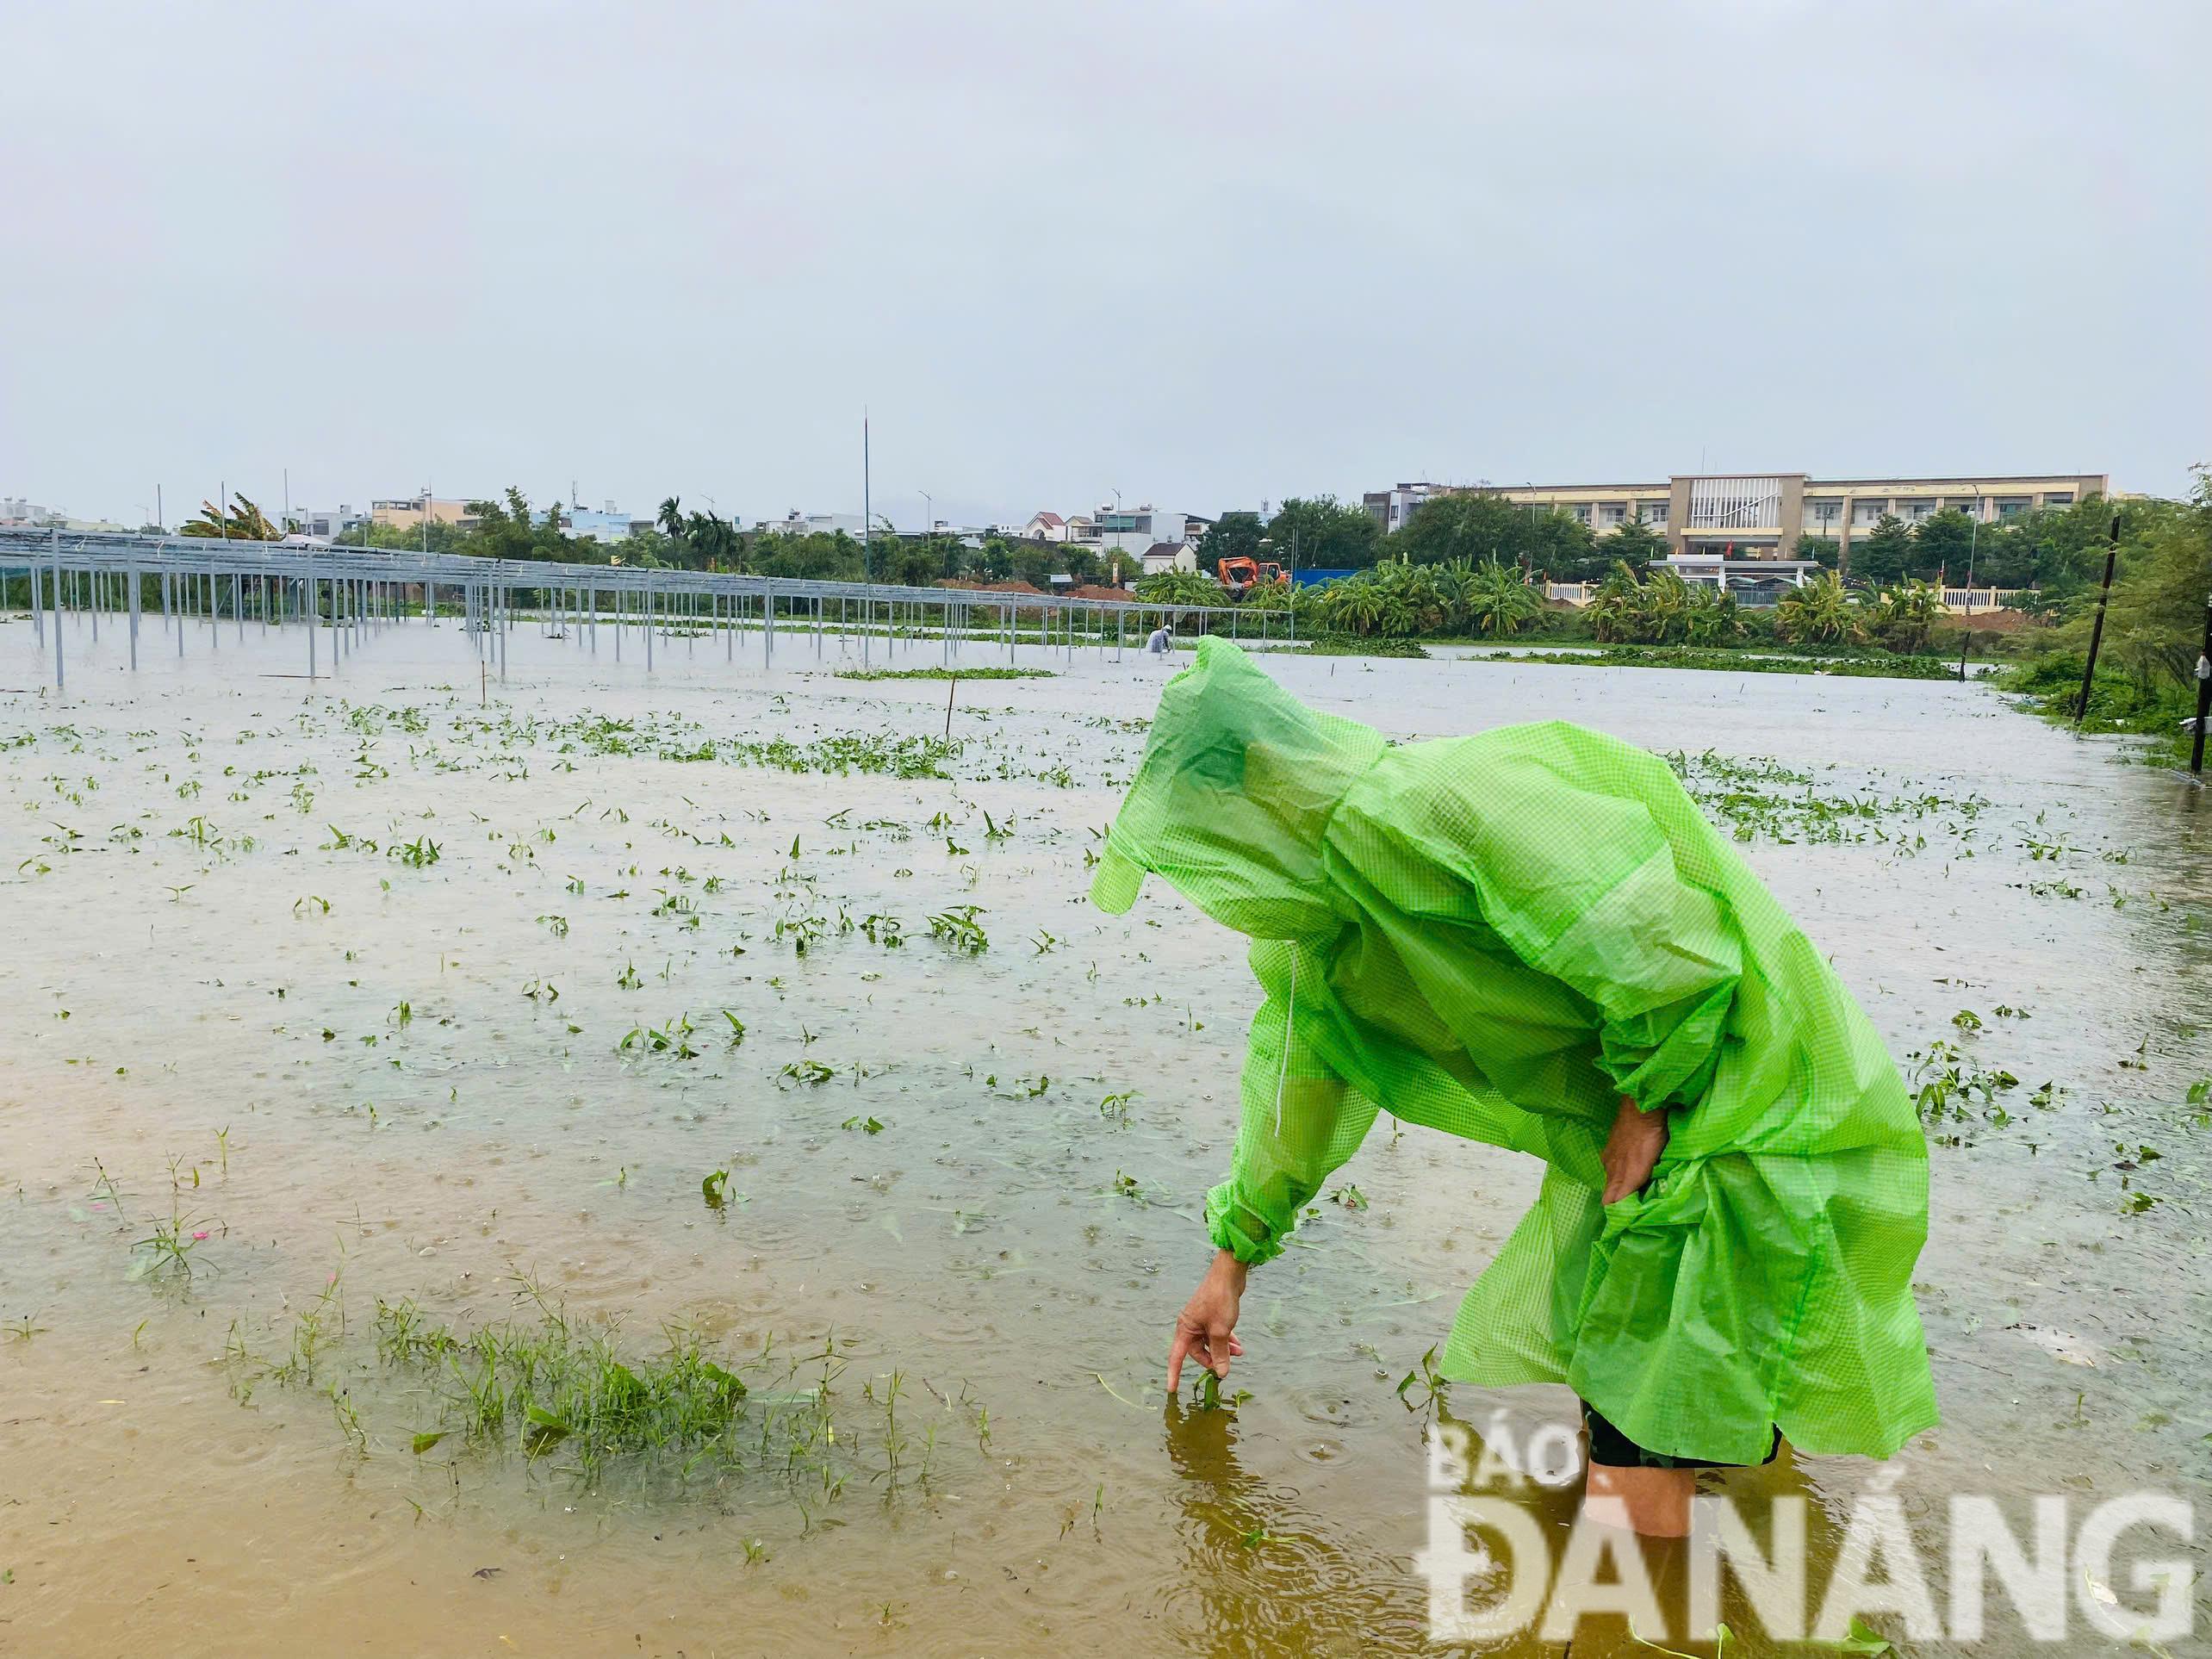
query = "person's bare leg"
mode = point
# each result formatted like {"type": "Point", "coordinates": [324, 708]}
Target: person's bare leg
{"type": "Point", "coordinates": [1652, 1502]}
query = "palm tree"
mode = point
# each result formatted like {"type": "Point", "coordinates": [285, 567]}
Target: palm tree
{"type": "Point", "coordinates": [1356, 605]}
{"type": "Point", "coordinates": [1179, 588]}
{"type": "Point", "coordinates": [1714, 617]}
{"type": "Point", "coordinates": [1662, 609]}
{"type": "Point", "coordinates": [243, 524]}
{"type": "Point", "coordinates": [1393, 600]}
{"type": "Point", "coordinates": [1613, 608]}
{"type": "Point", "coordinates": [1903, 616]}
{"type": "Point", "coordinates": [671, 518]}
{"type": "Point", "coordinates": [1499, 602]}
{"type": "Point", "coordinates": [709, 539]}
{"type": "Point", "coordinates": [1819, 613]}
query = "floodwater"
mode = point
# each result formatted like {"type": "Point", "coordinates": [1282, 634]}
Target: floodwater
{"type": "Point", "coordinates": [209, 941]}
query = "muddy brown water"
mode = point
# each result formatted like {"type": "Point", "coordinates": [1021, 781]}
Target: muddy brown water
{"type": "Point", "coordinates": [1016, 1253]}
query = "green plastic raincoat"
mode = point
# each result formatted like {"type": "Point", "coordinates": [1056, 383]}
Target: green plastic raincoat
{"type": "Point", "coordinates": [1499, 936]}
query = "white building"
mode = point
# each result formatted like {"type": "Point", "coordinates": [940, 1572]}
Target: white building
{"type": "Point", "coordinates": [1392, 508]}
{"type": "Point", "coordinates": [1133, 530]}
{"type": "Point", "coordinates": [16, 511]}
{"type": "Point", "coordinates": [605, 525]}
{"type": "Point", "coordinates": [1170, 556]}
{"type": "Point", "coordinates": [795, 522]}
{"type": "Point", "coordinates": [19, 514]}
{"type": "Point", "coordinates": [326, 524]}
{"type": "Point", "coordinates": [1047, 526]}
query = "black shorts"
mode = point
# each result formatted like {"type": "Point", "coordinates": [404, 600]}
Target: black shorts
{"type": "Point", "coordinates": [1609, 1446]}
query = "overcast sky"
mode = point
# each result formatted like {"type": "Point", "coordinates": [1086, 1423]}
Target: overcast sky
{"type": "Point", "coordinates": [1206, 255]}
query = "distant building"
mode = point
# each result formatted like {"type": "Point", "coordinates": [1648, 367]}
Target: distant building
{"type": "Point", "coordinates": [327, 524]}
{"type": "Point", "coordinates": [407, 513]}
{"type": "Point", "coordinates": [19, 514]}
{"type": "Point", "coordinates": [1045, 527]}
{"type": "Point", "coordinates": [1124, 530]}
{"type": "Point", "coordinates": [1131, 530]}
{"type": "Point", "coordinates": [1392, 508]}
{"type": "Point", "coordinates": [1740, 516]}
{"type": "Point", "coordinates": [1170, 556]}
{"type": "Point", "coordinates": [796, 523]}
{"type": "Point", "coordinates": [593, 524]}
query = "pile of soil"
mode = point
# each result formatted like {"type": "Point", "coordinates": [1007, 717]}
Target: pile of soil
{"type": "Point", "coordinates": [1009, 586]}
{"type": "Point", "coordinates": [1989, 622]}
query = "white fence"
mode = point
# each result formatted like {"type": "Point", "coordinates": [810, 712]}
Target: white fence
{"type": "Point", "coordinates": [1963, 600]}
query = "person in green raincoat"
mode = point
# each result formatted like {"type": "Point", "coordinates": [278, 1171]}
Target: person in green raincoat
{"type": "Point", "coordinates": [1532, 937]}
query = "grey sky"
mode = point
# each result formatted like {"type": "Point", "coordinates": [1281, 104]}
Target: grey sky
{"type": "Point", "coordinates": [1204, 254]}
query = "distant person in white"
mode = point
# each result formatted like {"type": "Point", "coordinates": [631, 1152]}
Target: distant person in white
{"type": "Point", "coordinates": [1162, 641]}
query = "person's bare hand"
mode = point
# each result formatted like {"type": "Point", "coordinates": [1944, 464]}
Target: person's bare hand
{"type": "Point", "coordinates": [1205, 1329]}
{"type": "Point", "coordinates": [1632, 1149]}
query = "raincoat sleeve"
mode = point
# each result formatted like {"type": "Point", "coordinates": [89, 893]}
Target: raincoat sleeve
{"type": "Point", "coordinates": [1586, 886]}
{"type": "Point", "coordinates": [1300, 1120]}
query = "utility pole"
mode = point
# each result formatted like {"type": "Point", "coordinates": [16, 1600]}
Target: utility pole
{"type": "Point", "coordinates": [867, 529]}
{"type": "Point", "coordinates": [2097, 631]}
{"type": "Point", "coordinates": [2203, 696]}
{"type": "Point", "coordinates": [1973, 541]}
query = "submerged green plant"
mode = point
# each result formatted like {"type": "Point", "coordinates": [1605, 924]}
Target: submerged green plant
{"type": "Point", "coordinates": [417, 854]}
{"type": "Point", "coordinates": [549, 1386]}
{"type": "Point", "coordinates": [945, 674]}
{"type": "Point", "coordinates": [956, 925]}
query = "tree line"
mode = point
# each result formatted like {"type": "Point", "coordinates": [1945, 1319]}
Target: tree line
{"type": "Point", "coordinates": [510, 528]}
{"type": "Point", "coordinates": [2055, 550]}
{"type": "Point", "coordinates": [1473, 563]}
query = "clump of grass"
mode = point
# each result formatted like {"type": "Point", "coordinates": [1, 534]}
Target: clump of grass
{"type": "Point", "coordinates": [416, 854]}
{"type": "Point", "coordinates": [956, 926]}
{"type": "Point", "coordinates": [1951, 1088]}
{"type": "Point", "coordinates": [1757, 798]}
{"type": "Point", "coordinates": [552, 1388]}
{"type": "Point", "coordinates": [946, 674]}
{"type": "Point", "coordinates": [1356, 645]}
{"type": "Point", "coordinates": [1867, 665]}
{"type": "Point", "coordinates": [876, 754]}
{"type": "Point", "coordinates": [673, 1039]}
{"type": "Point", "coordinates": [165, 1255]}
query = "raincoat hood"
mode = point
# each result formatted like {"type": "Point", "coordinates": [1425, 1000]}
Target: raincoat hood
{"type": "Point", "coordinates": [1230, 802]}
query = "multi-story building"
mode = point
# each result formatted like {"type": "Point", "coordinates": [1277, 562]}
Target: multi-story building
{"type": "Point", "coordinates": [1133, 530]}
{"type": "Point", "coordinates": [19, 514]}
{"type": "Point", "coordinates": [1738, 516]}
{"type": "Point", "coordinates": [407, 513]}
{"type": "Point", "coordinates": [326, 524]}
{"type": "Point", "coordinates": [15, 511]}
{"type": "Point", "coordinates": [795, 522]}
{"type": "Point", "coordinates": [593, 524]}
{"type": "Point", "coordinates": [1392, 508]}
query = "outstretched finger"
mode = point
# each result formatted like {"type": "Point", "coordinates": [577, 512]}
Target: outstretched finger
{"type": "Point", "coordinates": [1175, 1359]}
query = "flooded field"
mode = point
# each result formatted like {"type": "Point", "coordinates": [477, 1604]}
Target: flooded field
{"type": "Point", "coordinates": [597, 1164]}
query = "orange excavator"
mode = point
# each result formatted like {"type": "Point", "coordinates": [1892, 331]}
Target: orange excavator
{"type": "Point", "coordinates": [1240, 574]}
